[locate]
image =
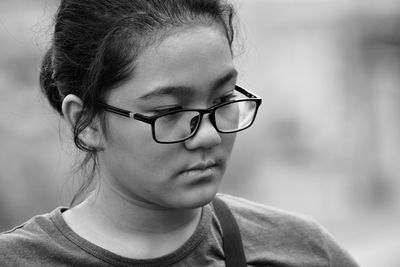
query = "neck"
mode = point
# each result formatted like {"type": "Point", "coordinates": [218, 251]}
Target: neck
{"type": "Point", "coordinates": [130, 229]}
{"type": "Point", "coordinates": [113, 212]}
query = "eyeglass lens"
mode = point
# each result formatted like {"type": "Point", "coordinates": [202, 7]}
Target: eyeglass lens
{"type": "Point", "coordinates": [231, 117]}
{"type": "Point", "coordinates": [235, 116]}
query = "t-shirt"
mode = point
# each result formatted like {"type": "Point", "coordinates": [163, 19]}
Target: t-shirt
{"type": "Point", "coordinates": [271, 237]}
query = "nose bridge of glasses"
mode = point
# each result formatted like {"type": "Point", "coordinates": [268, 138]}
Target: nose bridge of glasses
{"type": "Point", "coordinates": [198, 121]}
{"type": "Point", "coordinates": [203, 130]}
{"type": "Point", "coordinates": [194, 122]}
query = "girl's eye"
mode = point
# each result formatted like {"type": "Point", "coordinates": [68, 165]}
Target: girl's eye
{"type": "Point", "coordinates": [162, 110]}
{"type": "Point", "coordinates": [226, 98]}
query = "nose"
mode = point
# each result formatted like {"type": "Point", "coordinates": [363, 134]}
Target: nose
{"type": "Point", "coordinates": [206, 136]}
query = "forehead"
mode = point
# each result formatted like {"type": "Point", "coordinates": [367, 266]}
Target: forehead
{"type": "Point", "coordinates": [195, 57]}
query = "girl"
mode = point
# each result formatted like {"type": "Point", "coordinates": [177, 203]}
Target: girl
{"type": "Point", "coordinates": [148, 88]}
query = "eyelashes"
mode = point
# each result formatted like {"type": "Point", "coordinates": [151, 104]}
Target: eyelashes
{"type": "Point", "coordinates": [160, 109]}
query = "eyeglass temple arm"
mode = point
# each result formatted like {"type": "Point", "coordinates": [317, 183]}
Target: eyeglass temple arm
{"type": "Point", "coordinates": [119, 111]}
{"type": "Point", "coordinates": [125, 113]}
{"type": "Point", "coordinates": [246, 92]}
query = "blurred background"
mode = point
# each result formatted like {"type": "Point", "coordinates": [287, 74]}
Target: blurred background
{"type": "Point", "coordinates": [326, 142]}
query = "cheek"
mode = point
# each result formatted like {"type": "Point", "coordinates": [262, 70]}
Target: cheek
{"type": "Point", "coordinates": [228, 140]}
{"type": "Point", "coordinates": [131, 154]}
{"type": "Point", "coordinates": [131, 151]}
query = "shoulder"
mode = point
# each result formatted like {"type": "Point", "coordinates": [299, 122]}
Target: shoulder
{"type": "Point", "coordinates": [288, 237]}
{"type": "Point", "coordinates": [35, 227]}
{"type": "Point", "coordinates": [20, 244]}
{"type": "Point", "coordinates": [262, 216]}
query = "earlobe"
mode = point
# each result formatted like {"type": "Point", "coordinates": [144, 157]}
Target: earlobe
{"type": "Point", "coordinates": [72, 107]}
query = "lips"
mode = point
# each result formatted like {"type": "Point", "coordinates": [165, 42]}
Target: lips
{"type": "Point", "coordinates": [200, 167]}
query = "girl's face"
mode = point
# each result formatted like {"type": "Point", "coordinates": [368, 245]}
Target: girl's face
{"type": "Point", "coordinates": [189, 69]}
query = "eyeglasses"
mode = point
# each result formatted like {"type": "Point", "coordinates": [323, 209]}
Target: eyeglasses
{"type": "Point", "coordinates": [180, 124]}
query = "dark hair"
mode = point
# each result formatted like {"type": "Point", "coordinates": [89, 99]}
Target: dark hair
{"type": "Point", "coordinates": [96, 42]}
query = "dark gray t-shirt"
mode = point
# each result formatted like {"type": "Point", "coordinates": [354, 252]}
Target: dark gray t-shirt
{"type": "Point", "coordinates": [271, 237]}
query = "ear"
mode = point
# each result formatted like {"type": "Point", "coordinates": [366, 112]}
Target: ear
{"type": "Point", "coordinates": [72, 107]}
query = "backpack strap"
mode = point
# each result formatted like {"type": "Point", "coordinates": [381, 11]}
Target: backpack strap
{"type": "Point", "coordinates": [232, 241]}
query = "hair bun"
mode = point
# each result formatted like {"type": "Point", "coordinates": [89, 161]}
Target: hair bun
{"type": "Point", "coordinates": [47, 82]}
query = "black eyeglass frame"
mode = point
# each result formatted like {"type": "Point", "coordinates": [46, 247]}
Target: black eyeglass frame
{"type": "Point", "coordinates": [211, 110]}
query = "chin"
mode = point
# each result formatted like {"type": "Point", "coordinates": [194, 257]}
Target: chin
{"type": "Point", "coordinates": [198, 199]}
{"type": "Point", "coordinates": [194, 193]}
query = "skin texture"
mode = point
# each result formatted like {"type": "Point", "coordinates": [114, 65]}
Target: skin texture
{"type": "Point", "coordinates": [142, 183]}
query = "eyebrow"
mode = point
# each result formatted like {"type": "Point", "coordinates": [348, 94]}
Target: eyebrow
{"type": "Point", "coordinates": [187, 91]}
